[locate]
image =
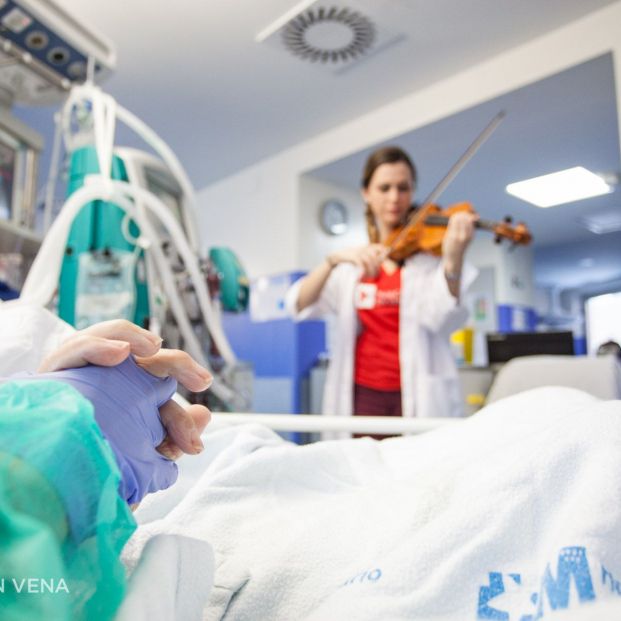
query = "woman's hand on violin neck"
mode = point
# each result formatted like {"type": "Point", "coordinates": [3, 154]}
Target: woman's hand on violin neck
{"type": "Point", "coordinates": [459, 233]}
{"type": "Point", "coordinates": [369, 257]}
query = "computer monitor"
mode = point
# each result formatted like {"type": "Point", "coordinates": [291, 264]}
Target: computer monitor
{"type": "Point", "coordinates": [504, 346]}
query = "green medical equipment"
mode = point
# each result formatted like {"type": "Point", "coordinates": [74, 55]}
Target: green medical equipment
{"type": "Point", "coordinates": [103, 273]}
{"type": "Point", "coordinates": [234, 286]}
{"type": "Point", "coordinates": [126, 243]}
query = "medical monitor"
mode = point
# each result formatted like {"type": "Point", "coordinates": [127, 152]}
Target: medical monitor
{"type": "Point", "coordinates": [150, 173]}
{"type": "Point", "coordinates": [501, 347]}
{"type": "Point", "coordinates": [163, 185]}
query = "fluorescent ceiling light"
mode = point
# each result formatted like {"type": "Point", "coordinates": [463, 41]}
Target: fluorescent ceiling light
{"type": "Point", "coordinates": [561, 187]}
{"type": "Point", "coordinates": [608, 221]}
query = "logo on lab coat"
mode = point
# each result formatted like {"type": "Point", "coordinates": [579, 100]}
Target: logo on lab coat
{"type": "Point", "coordinates": [366, 293]}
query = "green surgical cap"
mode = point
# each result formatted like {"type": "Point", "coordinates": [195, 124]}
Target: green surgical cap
{"type": "Point", "coordinates": [62, 522]}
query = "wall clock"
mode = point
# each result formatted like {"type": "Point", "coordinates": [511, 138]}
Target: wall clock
{"type": "Point", "coordinates": [333, 217]}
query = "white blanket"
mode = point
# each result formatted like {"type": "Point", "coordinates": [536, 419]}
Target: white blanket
{"type": "Point", "coordinates": [514, 515]}
{"type": "Point", "coordinates": [173, 577]}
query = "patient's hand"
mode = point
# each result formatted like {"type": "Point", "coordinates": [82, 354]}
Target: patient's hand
{"type": "Point", "coordinates": [109, 344]}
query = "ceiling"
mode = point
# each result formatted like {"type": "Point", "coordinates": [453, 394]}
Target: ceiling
{"type": "Point", "coordinates": [193, 71]}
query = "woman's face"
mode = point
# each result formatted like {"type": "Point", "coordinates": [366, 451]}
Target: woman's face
{"type": "Point", "coordinates": [389, 193]}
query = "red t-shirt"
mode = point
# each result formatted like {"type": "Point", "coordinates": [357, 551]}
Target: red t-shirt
{"type": "Point", "coordinates": [377, 346]}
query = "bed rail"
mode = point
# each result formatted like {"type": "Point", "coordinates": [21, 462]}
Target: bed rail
{"type": "Point", "coordinates": [310, 423]}
{"type": "Point", "coordinates": [315, 423]}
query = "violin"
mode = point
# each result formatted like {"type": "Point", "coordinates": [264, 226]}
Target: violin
{"type": "Point", "coordinates": [426, 228]}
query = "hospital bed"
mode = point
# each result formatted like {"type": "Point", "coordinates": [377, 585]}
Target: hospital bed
{"type": "Point", "coordinates": [513, 513]}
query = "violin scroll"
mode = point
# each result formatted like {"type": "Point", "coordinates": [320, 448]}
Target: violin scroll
{"type": "Point", "coordinates": [518, 234]}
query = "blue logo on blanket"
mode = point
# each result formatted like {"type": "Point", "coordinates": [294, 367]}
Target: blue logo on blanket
{"type": "Point", "coordinates": [553, 593]}
{"type": "Point", "coordinates": [370, 575]}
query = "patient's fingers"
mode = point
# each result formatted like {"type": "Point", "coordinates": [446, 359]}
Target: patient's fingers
{"type": "Point", "coordinates": [142, 342]}
{"type": "Point", "coordinates": [106, 344]}
{"type": "Point", "coordinates": [180, 365]}
{"type": "Point", "coordinates": [83, 349]}
{"type": "Point", "coordinates": [184, 428]}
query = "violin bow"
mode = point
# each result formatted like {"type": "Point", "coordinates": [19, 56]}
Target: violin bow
{"type": "Point", "coordinates": [452, 173]}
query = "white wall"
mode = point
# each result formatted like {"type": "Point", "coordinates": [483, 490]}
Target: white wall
{"type": "Point", "coordinates": [315, 244]}
{"type": "Point", "coordinates": [258, 211]}
{"type": "Point", "coordinates": [513, 269]}
{"type": "Point", "coordinates": [255, 213]}
{"type": "Point", "coordinates": [515, 285]}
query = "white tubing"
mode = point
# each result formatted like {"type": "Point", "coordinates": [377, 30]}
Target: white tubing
{"type": "Point", "coordinates": [52, 175]}
{"type": "Point", "coordinates": [164, 151]}
{"type": "Point", "coordinates": [157, 207]}
{"type": "Point", "coordinates": [42, 280]}
{"type": "Point", "coordinates": [105, 111]}
{"type": "Point", "coordinates": [191, 342]}
{"type": "Point", "coordinates": [43, 277]}
{"type": "Point", "coordinates": [44, 274]}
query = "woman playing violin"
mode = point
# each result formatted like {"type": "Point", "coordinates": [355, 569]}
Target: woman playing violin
{"type": "Point", "coordinates": [391, 353]}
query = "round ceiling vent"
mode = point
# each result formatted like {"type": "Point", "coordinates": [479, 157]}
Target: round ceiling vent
{"type": "Point", "coordinates": [331, 35]}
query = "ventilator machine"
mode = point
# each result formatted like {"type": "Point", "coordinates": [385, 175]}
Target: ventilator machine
{"type": "Point", "coordinates": [125, 243]}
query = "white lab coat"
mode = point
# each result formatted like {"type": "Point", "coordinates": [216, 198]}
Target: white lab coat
{"type": "Point", "coordinates": [428, 314]}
